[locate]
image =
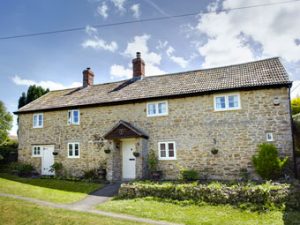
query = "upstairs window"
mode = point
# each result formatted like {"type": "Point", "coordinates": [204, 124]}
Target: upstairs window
{"type": "Point", "coordinates": [157, 108]}
{"type": "Point", "coordinates": [73, 150]}
{"type": "Point", "coordinates": [36, 151]}
{"type": "Point", "coordinates": [74, 117]}
{"type": "Point", "coordinates": [167, 150]}
{"type": "Point", "coordinates": [227, 102]}
{"type": "Point", "coordinates": [38, 120]}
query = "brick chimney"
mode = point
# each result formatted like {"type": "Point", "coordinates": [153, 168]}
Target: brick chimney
{"type": "Point", "coordinates": [138, 66]}
{"type": "Point", "coordinates": [88, 77]}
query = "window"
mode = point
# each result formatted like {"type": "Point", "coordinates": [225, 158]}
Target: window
{"type": "Point", "coordinates": [36, 151]}
{"type": "Point", "coordinates": [73, 150]}
{"type": "Point", "coordinates": [166, 150]}
{"type": "Point", "coordinates": [157, 108]}
{"type": "Point", "coordinates": [269, 137]}
{"type": "Point", "coordinates": [227, 102]}
{"type": "Point", "coordinates": [74, 117]}
{"type": "Point", "coordinates": [38, 120]}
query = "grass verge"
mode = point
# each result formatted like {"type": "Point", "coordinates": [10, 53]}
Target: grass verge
{"type": "Point", "coordinates": [18, 212]}
{"type": "Point", "coordinates": [193, 214]}
{"type": "Point", "coordinates": [58, 191]}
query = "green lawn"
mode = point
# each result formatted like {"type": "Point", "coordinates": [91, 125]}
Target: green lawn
{"type": "Point", "coordinates": [58, 191]}
{"type": "Point", "coordinates": [193, 214]}
{"type": "Point", "coordinates": [20, 212]}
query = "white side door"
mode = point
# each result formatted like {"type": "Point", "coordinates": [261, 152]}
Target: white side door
{"type": "Point", "coordinates": [47, 160]}
{"type": "Point", "coordinates": [129, 161]}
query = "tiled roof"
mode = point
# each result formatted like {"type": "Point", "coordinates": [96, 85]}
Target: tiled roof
{"type": "Point", "coordinates": [263, 73]}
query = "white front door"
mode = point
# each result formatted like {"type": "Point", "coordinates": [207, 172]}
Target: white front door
{"type": "Point", "coordinates": [128, 147]}
{"type": "Point", "coordinates": [47, 160]}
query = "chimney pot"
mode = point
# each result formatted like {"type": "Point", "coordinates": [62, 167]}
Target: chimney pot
{"type": "Point", "coordinates": [138, 66]}
{"type": "Point", "coordinates": [88, 77]}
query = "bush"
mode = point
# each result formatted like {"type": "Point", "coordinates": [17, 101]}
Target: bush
{"type": "Point", "coordinates": [57, 168]}
{"type": "Point", "coordinates": [90, 174]}
{"type": "Point", "coordinates": [189, 174]}
{"type": "Point", "coordinates": [21, 169]}
{"type": "Point", "coordinates": [9, 151]}
{"type": "Point", "coordinates": [264, 196]}
{"type": "Point", "coordinates": [152, 161]}
{"type": "Point", "coordinates": [267, 163]}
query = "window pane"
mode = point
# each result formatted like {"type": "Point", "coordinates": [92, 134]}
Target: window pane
{"type": "Point", "coordinates": [163, 146]}
{"type": "Point", "coordinates": [75, 116]}
{"type": "Point", "coordinates": [35, 121]}
{"type": "Point", "coordinates": [151, 109]}
{"type": "Point", "coordinates": [162, 108]}
{"type": "Point", "coordinates": [233, 101]}
{"type": "Point", "coordinates": [69, 117]}
{"type": "Point", "coordinates": [70, 150]}
{"type": "Point", "coordinates": [40, 120]}
{"type": "Point", "coordinates": [220, 102]}
{"type": "Point", "coordinates": [171, 146]}
{"type": "Point", "coordinates": [171, 153]}
{"type": "Point", "coordinates": [76, 150]}
{"type": "Point", "coordinates": [162, 153]}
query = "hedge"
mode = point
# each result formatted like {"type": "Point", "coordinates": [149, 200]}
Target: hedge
{"type": "Point", "coordinates": [262, 196]}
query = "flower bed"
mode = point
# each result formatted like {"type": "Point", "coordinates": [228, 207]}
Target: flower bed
{"type": "Point", "coordinates": [263, 196]}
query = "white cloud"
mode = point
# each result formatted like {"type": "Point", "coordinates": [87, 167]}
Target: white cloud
{"type": "Point", "coordinates": [45, 84]}
{"type": "Point", "coordinates": [274, 28]}
{"type": "Point", "coordinates": [95, 42]}
{"type": "Point", "coordinates": [176, 59]}
{"type": "Point", "coordinates": [136, 10]}
{"type": "Point", "coordinates": [102, 10]}
{"type": "Point", "coordinates": [119, 4]}
{"type": "Point", "coordinates": [152, 59]}
{"type": "Point", "coordinates": [162, 45]}
{"type": "Point", "coordinates": [119, 71]}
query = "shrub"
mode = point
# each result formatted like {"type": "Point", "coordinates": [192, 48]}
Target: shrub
{"type": "Point", "coordinates": [267, 163]}
{"type": "Point", "coordinates": [21, 169]}
{"type": "Point", "coordinates": [152, 161]}
{"type": "Point", "coordinates": [189, 174]}
{"type": "Point", "coordinates": [9, 151]}
{"type": "Point", "coordinates": [263, 196]}
{"type": "Point", "coordinates": [90, 174]}
{"type": "Point", "coordinates": [57, 168]}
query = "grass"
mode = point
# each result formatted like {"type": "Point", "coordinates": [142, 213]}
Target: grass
{"type": "Point", "coordinates": [58, 191]}
{"type": "Point", "coordinates": [18, 212]}
{"type": "Point", "coordinates": [192, 214]}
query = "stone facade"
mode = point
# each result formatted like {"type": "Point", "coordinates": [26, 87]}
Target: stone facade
{"type": "Point", "coordinates": [191, 122]}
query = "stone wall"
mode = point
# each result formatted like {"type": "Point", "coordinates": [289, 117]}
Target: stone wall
{"type": "Point", "coordinates": [192, 123]}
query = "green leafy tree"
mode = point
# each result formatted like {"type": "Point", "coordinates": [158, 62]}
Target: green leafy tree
{"type": "Point", "coordinates": [33, 93]}
{"type": "Point", "coordinates": [295, 104]}
{"type": "Point", "coordinates": [5, 123]}
{"type": "Point", "coordinates": [267, 162]}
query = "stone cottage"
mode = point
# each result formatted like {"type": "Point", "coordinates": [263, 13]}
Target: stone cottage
{"type": "Point", "coordinates": [210, 120]}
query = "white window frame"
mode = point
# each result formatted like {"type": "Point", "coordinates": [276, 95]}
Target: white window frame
{"type": "Point", "coordinates": [167, 150]}
{"type": "Point", "coordinates": [227, 102]}
{"type": "Point", "coordinates": [71, 118]}
{"type": "Point", "coordinates": [156, 109]}
{"type": "Point", "coordinates": [32, 151]}
{"type": "Point", "coordinates": [73, 150]}
{"type": "Point", "coordinates": [38, 125]}
{"type": "Point", "coordinates": [267, 137]}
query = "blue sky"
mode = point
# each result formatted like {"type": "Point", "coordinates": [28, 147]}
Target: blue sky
{"type": "Point", "coordinates": [206, 40]}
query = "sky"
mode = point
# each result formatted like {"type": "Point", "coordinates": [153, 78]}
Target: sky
{"type": "Point", "coordinates": [215, 36]}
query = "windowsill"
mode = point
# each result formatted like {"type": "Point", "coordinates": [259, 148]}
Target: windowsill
{"type": "Point", "coordinates": [167, 159]}
{"type": "Point", "coordinates": [157, 115]}
{"type": "Point", "coordinates": [37, 127]}
{"type": "Point", "coordinates": [36, 156]}
{"type": "Point", "coordinates": [230, 109]}
{"type": "Point", "coordinates": [73, 157]}
{"type": "Point", "coordinates": [74, 124]}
